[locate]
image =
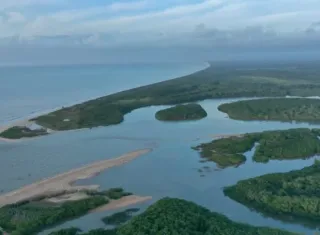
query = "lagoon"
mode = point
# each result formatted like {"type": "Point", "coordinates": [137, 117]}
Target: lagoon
{"type": "Point", "coordinates": [170, 170]}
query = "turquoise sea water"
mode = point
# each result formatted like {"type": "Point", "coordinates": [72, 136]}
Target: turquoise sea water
{"type": "Point", "coordinates": [171, 169]}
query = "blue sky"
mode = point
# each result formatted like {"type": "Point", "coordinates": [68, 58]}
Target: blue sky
{"type": "Point", "coordinates": [159, 24]}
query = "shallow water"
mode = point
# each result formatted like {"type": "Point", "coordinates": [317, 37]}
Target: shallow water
{"type": "Point", "coordinates": [170, 170]}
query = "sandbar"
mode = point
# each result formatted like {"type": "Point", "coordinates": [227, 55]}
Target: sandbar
{"type": "Point", "coordinates": [64, 181]}
{"type": "Point", "coordinates": [122, 202]}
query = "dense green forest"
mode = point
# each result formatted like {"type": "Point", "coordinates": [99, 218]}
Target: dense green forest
{"type": "Point", "coordinates": [280, 109]}
{"type": "Point", "coordinates": [182, 112]}
{"type": "Point", "coordinates": [295, 194]}
{"type": "Point", "coordinates": [22, 132]}
{"type": "Point", "coordinates": [30, 217]}
{"type": "Point", "coordinates": [120, 217]}
{"type": "Point", "coordinates": [271, 145]}
{"type": "Point", "coordinates": [227, 151]}
{"type": "Point", "coordinates": [225, 80]}
{"type": "Point", "coordinates": [176, 217]}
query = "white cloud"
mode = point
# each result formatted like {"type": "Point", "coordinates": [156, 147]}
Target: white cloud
{"type": "Point", "coordinates": [7, 4]}
{"type": "Point", "coordinates": [15, 18]}
{"type": "Point", "coordinates": [142, 22]}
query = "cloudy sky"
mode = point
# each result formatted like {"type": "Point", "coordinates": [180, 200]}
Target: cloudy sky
{"type": "Point", "coordinates": [124, 28]}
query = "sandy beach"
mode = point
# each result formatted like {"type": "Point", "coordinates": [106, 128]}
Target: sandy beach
{"type": "Point", "coordinates": [64, 181]}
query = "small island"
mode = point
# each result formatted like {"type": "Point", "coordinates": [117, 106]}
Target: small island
{"type": "Point", "coordinates": [176, 216]}
{"type": "Point", "coordinates": [19, 132]}
{"type": "Point", "coordinates": [289, 144]}
{"type": "Point", "coordinates": [275, 109]}
{"type": "Point", "coordinates": [183, 112]}
{"type": "Point", "coordinates": [288, 196]}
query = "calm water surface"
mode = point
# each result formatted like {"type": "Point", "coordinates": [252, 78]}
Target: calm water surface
{"type": "Point", "coordinates": [28, 90]}
{"type": "Point", "coordinates": [170, 170]}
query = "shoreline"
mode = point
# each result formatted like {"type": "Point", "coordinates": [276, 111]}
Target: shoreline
{"type": "Point", "coordinates": [65, 181]}
{"type": "Point", "coordinates": [122, 202]}
{"type": "Point", "coordinates": [27, 119]}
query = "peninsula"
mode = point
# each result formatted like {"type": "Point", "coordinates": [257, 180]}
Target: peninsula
{"type": "Point", "coordinates": [270, 145]}
{"type": "Point", "coordinates": [293, 195]}
{"type": "Point", "coordinates": [183, 112]}
{"type": "Point", "coordinates": [227, 80]}
{"type": "Point", "coordinates": [276, 109]}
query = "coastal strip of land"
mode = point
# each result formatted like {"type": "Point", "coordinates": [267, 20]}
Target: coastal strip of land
{"type": "Point", "coordinates": [64, 181]}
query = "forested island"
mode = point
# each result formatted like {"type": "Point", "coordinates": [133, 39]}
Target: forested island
{"type": "Point", "coordinates": [18, 132]}
{"type": "Point", "coordinates": [32, 216]}
{"type": "Point", "coordinates": [175, 216]}
{"type": "Point", "coordinates": [276, 109]}
{"type": "Point", "coordinates": [289, 144]}
{"type": "Point", "coordinates": [226, 80]}
{"type": "Point", "coordinates": [293, 195]}
{"type": "Point", "coordinates": [183, 112]}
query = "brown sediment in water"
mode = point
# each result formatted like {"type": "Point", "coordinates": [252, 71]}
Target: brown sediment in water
{"type": "Point", "coordinates": [64, 181]}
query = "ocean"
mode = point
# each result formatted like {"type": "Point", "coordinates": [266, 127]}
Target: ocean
{"type": "Point", "coordinates": [27, 91]}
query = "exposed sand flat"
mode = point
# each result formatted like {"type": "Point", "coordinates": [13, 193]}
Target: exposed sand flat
{"type": "Point", "coordinates": [63, 182]}
{"type": "Point", "coordinates": [122, 202]}
{"type": "Point", "coordinates": [68, 197]}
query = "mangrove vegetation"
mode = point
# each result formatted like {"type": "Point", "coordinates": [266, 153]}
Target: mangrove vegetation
{"type": "Point", "coordinates": [31, 217]}
{"type": "Point", "coordinates": [276, 109]}
{"type": "Point", "coordinates": [270, 145]}
{"type": "Point", "coordinates": [293, 195]}
{"type": "Point", "coordinates": [175, 216]}
{"type": "Point", "coordinates": [183, 112]}
{"type": "Point", "coordinates": [120, 217]}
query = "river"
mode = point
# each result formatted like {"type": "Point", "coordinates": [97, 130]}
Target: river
{"type": "Point", "coordinates": [170, 170]}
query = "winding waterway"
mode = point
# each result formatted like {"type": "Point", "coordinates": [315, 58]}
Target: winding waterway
{"type": "Point", "coordinates": [170, 170]}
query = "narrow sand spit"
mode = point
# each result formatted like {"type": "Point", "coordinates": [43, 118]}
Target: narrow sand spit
{"type": "Point", "coordinates": [122, 202]}
{"type": "Point", "coordinates": [63, 182]}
